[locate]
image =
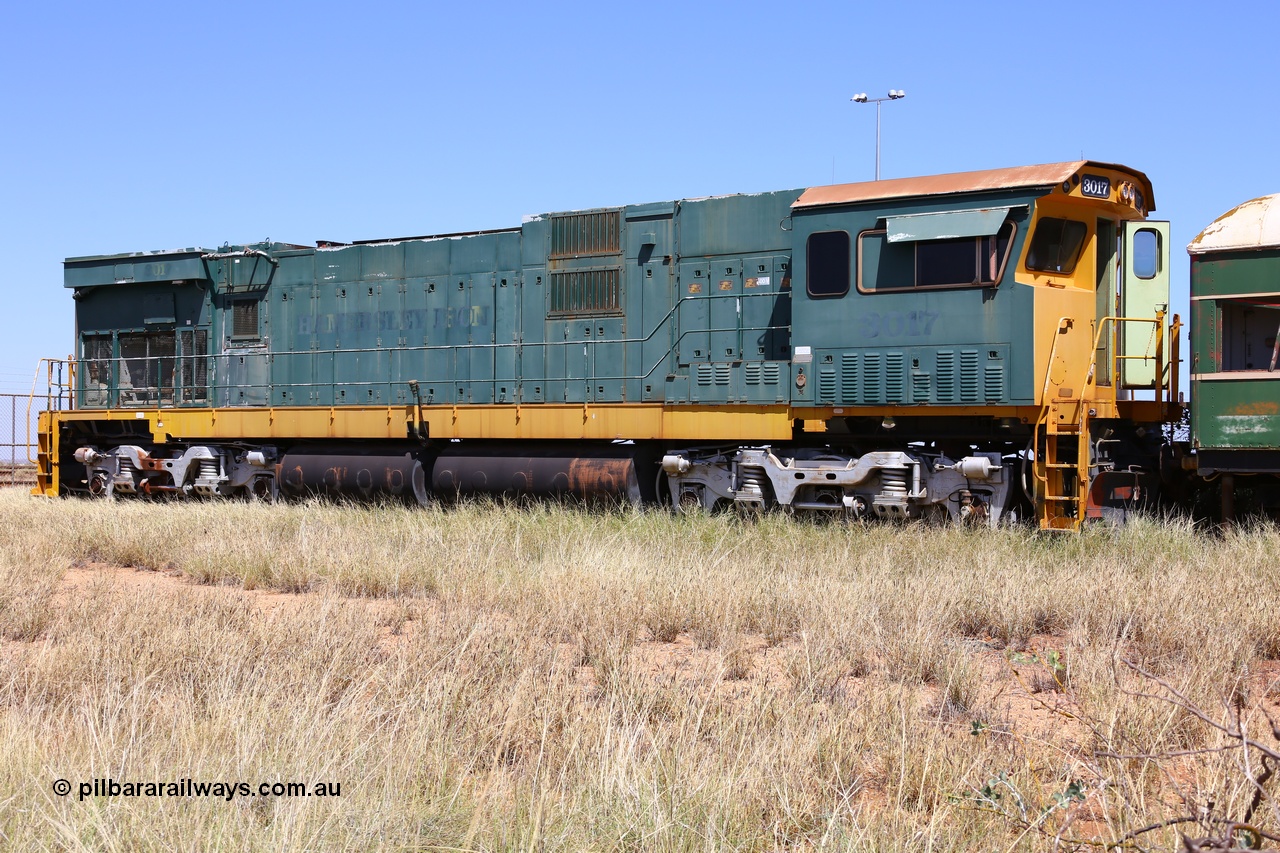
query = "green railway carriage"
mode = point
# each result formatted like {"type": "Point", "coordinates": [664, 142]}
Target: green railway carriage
{"type": "Point", "coordinates": [895, 348]}
{"type": "Point", "coordinates": [1235, 316]}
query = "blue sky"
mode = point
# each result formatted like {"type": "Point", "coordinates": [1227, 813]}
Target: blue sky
{"type": "Point", "coordinates": [136, 126]}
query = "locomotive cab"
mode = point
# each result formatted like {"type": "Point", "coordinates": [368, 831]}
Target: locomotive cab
{"type": "Point", "coordinates": [1016, 312]}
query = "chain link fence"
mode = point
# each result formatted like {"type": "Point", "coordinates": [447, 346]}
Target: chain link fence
{"type": "Point", "coordinates": [18, 439]}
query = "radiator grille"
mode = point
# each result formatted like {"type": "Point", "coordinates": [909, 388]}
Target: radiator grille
{"type": "Point", "coordinates": [577, 235]}
{"type": "Point", "coordinates": [585, 292]}
{"type": "Point", "coordinates": [194, 361]}
{"type": "Point", "coordinates": [244, 318]}
{"type": "Point", "coordinates": [97, 354]}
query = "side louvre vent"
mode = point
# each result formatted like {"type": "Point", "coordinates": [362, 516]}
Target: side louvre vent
{"type": "Point", "coordinates": [724, 373]}
{"type": "Point", "coordinates": [772, 373]}
{"type": "Point", "coordinates": [969, 375]}
{"type": "Point", "coordinates": [994, 381]}
{"type": "Point", "coordinates": [920, 387]}
{"type": "Point", "coordinates": [946, 373]}
{"type": "Point", "coordinates": [577, 235]}
{"type": "Point", "coordinates": [751, 372]}
{"type": "Point", "coordinates": [894, 378]}
{"type": "Point", "coordinates": [827, 384]}
{"type": "Point", "coordinates": [849, 376]}
{"type": "Point", "coordinates": [871, 378]}
{"type": "Point", "coordinates": [705, 374]}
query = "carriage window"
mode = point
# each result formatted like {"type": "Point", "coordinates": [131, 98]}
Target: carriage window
{"type": "Point", "coordinates": [828, 263]}
{"type": "Point", "coordinates": [1249, 332]}
{"type": "Point", "coordinates": [1055, 245]}
{"type": "Point", "coordinates": [954, 262]}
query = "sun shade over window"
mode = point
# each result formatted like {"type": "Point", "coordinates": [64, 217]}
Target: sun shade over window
{"type": "Point", "coordinates": [945, 225]}
{"type": "Point", "coordinates": [977, 261]}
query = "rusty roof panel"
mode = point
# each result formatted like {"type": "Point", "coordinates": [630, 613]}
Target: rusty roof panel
{"type": "Point", "coordinates": [1019, 177]}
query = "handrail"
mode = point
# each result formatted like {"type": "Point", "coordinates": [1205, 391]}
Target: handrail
{"type": "Point", "coordinates": [240, 253]}
{"type": "Point", "coordinates": [49, 364]}
{"type": "Point", "coordinates": [1040, 467]}
{"type": "Point", "coordinates": [113, 390]}
{"type": "Point", "coordinates": [1116, 357]}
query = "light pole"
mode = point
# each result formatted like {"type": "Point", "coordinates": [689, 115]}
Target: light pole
{"type": "Point", "coordinates": [894, 94]}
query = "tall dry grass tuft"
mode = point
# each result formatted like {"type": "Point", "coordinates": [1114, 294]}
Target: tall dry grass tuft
{"type": "Point", "coordinates": [491, 676]}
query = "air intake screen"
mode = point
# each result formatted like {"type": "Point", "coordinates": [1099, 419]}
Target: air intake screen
{"type": "Point", "coordinates": [244, 318]}
{"type": "Point", "coordinates": [195, 364]}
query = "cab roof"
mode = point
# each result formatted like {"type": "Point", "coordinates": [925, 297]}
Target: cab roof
{"type": "Point", "coordinates": [1018, 177]}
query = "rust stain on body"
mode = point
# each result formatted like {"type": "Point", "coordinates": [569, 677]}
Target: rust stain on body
{"type": "Point", "coordinates": [1260, 408]}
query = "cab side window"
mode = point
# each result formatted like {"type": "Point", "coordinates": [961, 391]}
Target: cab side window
{"type": "Point", "coordinates": [950, 262]}
{"type": "Point", "coordinates": [827, 264]}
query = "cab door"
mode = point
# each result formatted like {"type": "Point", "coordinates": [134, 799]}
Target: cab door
{"type": "Point", "coordinates": [1144, 290]}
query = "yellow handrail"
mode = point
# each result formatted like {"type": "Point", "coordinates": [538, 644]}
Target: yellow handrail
{"type": "Point", "coordinates": [47, 363]}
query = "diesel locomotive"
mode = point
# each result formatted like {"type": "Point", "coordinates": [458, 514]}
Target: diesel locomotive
{"type": "Point", "coordinates": [963, 346]}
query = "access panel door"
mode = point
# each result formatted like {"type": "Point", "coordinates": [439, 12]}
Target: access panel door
{"type": "Point", "coordinates": [506, 336]}
{"type": "Point", "coordinates": [457, 334]}
{"type": "Point", "coordinates": [480, 336]}
{"type": "Point", "coordinates": [726, 309]}
{"type": "Point", "coordinates": [766, 308]}
{"type": "Point", "coordinates": [693, 313]}
{"type": "Point", "coordinates": [1144, 290]}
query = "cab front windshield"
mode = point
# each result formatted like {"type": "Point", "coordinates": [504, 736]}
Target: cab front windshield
{"type": "Point", "coordinates": [1055, 245]}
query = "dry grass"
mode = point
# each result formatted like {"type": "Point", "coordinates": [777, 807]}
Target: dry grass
{"type": "Point", "coordinates": [489, 677]}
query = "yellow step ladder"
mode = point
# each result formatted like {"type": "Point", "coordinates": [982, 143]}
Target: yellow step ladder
{"type": "Point", "coordinates": [1062, 449]}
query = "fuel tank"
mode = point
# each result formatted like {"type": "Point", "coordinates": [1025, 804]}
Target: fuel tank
{"type": "Point", "coordinates": [400, 475]}
{"type": "Point", "coordinates": [494, 474]}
